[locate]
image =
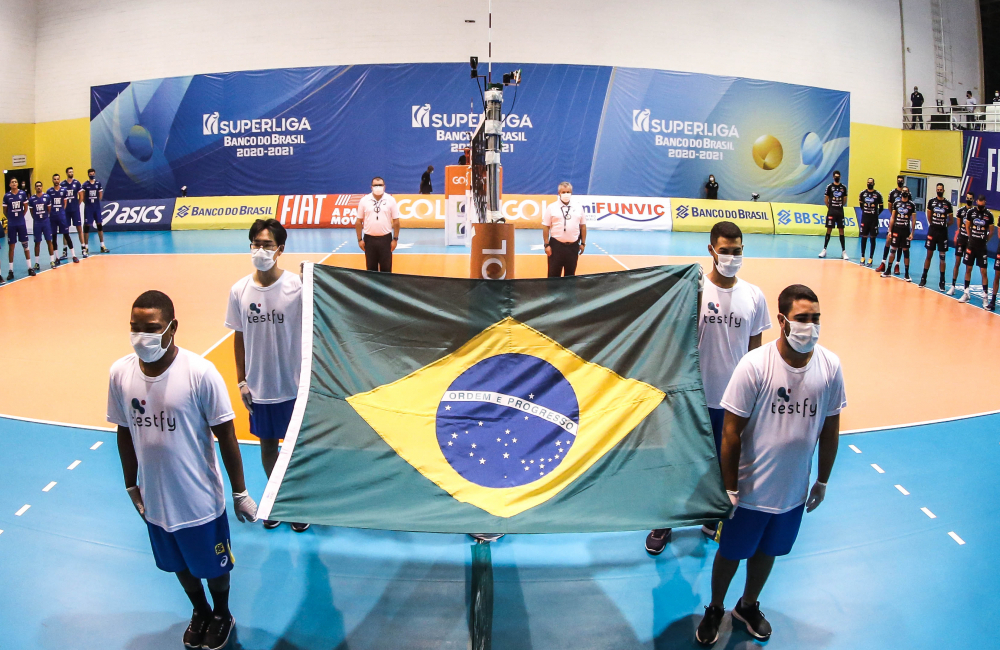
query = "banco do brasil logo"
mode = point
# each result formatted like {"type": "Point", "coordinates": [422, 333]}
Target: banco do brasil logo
{"type": "Point", "coordinates": [682, 211]}
{"type": "Point", "coordinates": [182, 212]}
{"type": "Point", "coordinates": [784, 217]}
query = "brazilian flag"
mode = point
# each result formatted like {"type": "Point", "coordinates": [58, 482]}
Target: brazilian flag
{"type": "Point", "coordinates": [507, 406]}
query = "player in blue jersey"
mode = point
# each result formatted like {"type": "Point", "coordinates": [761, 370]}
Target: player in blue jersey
{"type": "Point", "coordinates": [72, 210]}
{"type": "Point", "coordinates": [91, 195]}
{"type": "Point", "coordinates": [57, 213]}
{"type": "Point", "coordinates": [15, 205]}
{"type": "Point", "coordinates": [42, 224]}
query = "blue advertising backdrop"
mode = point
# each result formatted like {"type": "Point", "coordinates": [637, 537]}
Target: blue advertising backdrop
{"type": "Point", "coordinates": [610, 131]}
{"type": "Point", "coordinates": [981, 172]}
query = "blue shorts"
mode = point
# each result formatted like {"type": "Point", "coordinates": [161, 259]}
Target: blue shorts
{"type": "Point", "coordinates": [717, 416]}
{"type": "Point", "coordinates": [17, 232]}
{"type": "Point", "coordinates": [270, 421]}
{"type": "Point", "coordinates": [750, 531]}
{"type": "Point", "coordinates": [203, 550]}
{"type": "Point", "coordinates": [58, 223]}
{"type": "Point", "coordinates": [73, 214]}
{"type": "Point", "coordinates": [42, 228]}
{"type": "Point", "coordinates": [92, 214]}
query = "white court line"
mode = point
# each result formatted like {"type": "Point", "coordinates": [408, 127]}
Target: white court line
{"type": "Point", "coordinates": [920, 424]}
{"type": "Point", "coordinates": [49, 486]}
{"type": "Point", "coordinates": [409, 245]}
{"type": "Point", "coordinates": [854, 449]}
{"type": "Point", "coordinates": [598, 246]}
{"type": "Point", "coordinates": [950, 534]}
{"type": "Point", "coordinates": [878, 469]}
{"type": "Point", "coordinates": [96, 445]}
{"type": "Point", "coordinates": [23, 510]}
{"type": "Point", "coordinates": [217, 343]}
{"type": "Point", "coordinates": [903, 490]}
{"type": "Point", "coordinates": [539, 247]}
{"type": "Point", "coordinates": [74, 464]}
{"type": "Point", "coordinates": [53, 422]}
{"type": "Point", "coordinates": [928, 513]}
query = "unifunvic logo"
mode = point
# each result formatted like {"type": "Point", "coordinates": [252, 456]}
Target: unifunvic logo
{"type": "Point", "coordinates": [210, 123]}
{"type": "Point", "coordinates": [420, 115]}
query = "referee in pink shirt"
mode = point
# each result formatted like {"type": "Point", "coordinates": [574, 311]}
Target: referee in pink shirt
{"type": "Point", "coordinates": [378, 227]}
{"type": "Point", "coordinates": [564, 232]}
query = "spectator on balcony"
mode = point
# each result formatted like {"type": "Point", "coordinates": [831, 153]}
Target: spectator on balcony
{"type": "Point", "coordinates": [971, 102]}
{"type": "Point", "coordinates": [916, 112]}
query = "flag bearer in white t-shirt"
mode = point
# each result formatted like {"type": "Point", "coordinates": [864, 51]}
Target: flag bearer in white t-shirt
{"type": "Point", "coordinates": [733, 316]}
{"type": "Point", "coordinates": [167, 403]}
{"type": "Point", "coordinates": [265, 311]}
{"type": "Point", "coordinates": [564, 233]}
{"type": "Point", "coordinates": [783, 399]}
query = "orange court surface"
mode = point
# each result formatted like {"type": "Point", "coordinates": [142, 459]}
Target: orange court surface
{"type": "Point", "coordinates": [63, 330]}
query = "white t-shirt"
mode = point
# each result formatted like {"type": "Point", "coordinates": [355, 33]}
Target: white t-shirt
{"type": "Point", "coordinates": [563, 221]}
{"type": "Point", "coordinates": [271, 321]}
{"type": "Point", "coordinates": [787, 408]}
{"type": "Point", "coordinates": [169, 417]}
{"type": "Point", "coordinates": [729, 317]}
{"type": "Point", "coordinates": [377, 214]}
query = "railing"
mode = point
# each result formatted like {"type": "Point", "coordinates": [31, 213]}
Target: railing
{"type": "Point", "coordinates": [978, 117]}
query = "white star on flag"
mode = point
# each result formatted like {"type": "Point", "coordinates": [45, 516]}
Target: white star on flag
{"type": "Point", "coordinates": [506, 455]}
{"type": "Point", "coordinates": [473, 445]}
{"type": "Point", "coordinates": [515, 439]}
{"type": "Point", "coordinates": [454, 435]}
{"type": "Point", "coordinates": [498, 439]}
{"type": "Point", "coordinates": [450, 443]}
{"type": "Point", "coordinates": [480, 423]}
{"type": "Point", "coordinates": [531, 396]}
{"type": "Point", "coordinates": [482, 461]}
{"type": "Point", "coordinates": [507, 431]}
{"type": "Point", "coordinates": [447, 408]}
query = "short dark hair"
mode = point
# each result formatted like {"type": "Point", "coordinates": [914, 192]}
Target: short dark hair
{"type": "Point", "coordinates": [274, 226]}
{"type": "Point", "coordinates": [39, 183]}
{"type": "Point", "coordinates": [154, 299]}
{"type": "Point", "coordinates": [939, 185]}
{"type": "Point", "coordinates": [726, 229]}
{"type": "Point", "coordinates": [791, 293]}
{"type": "Point", "coordinates": [91, 170]}
{"type": "Point", "coordinates": [67, 169]}
{"type": "Point", "coordinates": [981, 197]}
{"type": "Point", "coordinates": [836, 172]}
{"type": "Point", "coordinates": [54, 175]}
{"type": "Point", "coordinates": [378, 178]}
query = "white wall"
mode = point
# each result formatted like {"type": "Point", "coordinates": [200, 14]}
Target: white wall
{"type": "Point", "coordinates": [849, 45]}
{"type": "Point", "coordinates": [961, 49]}
{"type": "Point", "coordinates": [17, 61]}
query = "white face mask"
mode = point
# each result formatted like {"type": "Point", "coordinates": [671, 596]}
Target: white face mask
{"type": "Point", "coordinates": [565, 196]}
{"type": "Point", "coordinates": [378, 190]}
{"type": "Point", "coordinates": [729, 265]}
{"type": "Point", "coordinates": [262, 259]}
{"type": "Point", "coordinates": [149, 347]}
{"type": "Point", "coordinates": [802, 336]}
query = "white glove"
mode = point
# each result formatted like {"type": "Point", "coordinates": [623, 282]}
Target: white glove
{"type": "Point", "coordinates": [133, 493]}
{"type": "Point", "coordinates": [816, 496]}
{"type": "Point", "coordinates": [734, 498]}
{"type": "Point", "coordinates": [245, 506]}
{"type": "Point", "coordinates": [246, 396]}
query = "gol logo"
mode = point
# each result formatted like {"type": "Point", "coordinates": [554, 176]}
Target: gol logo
{"type": "Point", "coordinates": [682, 212]}
{"type": "Point", "coordinates": [139, 406]}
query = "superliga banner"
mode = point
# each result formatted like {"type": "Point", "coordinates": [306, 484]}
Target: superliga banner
{"type": "Point", "coordinates": [608, 131]}
{"type": "Point", "coordinates": [509, 406]}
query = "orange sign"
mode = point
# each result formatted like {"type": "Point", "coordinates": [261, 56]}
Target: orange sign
{"type": "Point", "coordinates": [457, 178]}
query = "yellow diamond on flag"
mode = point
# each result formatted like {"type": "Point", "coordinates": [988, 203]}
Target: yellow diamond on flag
{"type": "Point", "coordinates": [508, 420]}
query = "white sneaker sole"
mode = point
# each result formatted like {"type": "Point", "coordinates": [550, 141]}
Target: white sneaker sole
{"type": "Point", "coordinates": [750, 629]}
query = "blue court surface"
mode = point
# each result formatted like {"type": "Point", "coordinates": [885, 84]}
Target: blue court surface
{"type": "Point", "coordinates": [898, 556]}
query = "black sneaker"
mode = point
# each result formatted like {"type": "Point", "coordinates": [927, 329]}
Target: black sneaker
{"type": "Point", "coordinates": [271, 524]}
{"type": "Point", "coordinates": [65, 253]}
{"type": "Point", "coordinates": [300, 528]}
{"type": "Point", "coordinates": [31, 273]}
{"type": "Point", "coordinates": [756, 624]}
{"type": "Point", "coordinates": [941, 286]}
{"type": "Point", "coordinates": [993, 304]}
{"type": "Point", "coordinates": [37, 268]}
{"type": "Point", "coordinates": [10, 275]}
{"type": "Point", "coordinates": [657, 540]}
{"type": "Point", "coordinates": [923, 281]}
{"type": "Point", "coordinates": [194, 635]}
{"type": "Point", "coordinates": [907, 278]}
{"type": "Point", "coordinates": [104, 250]}
{"type": "Point", "coordinates": [218, 632]}
{"type": "Point", "coordinates": [708, 630]}
{"type": "Point", "coordinates": [895, 271]}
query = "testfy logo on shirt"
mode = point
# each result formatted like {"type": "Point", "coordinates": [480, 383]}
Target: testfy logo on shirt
{"type": "Point", "coordinates": [729, 319]}
{"type": "Point", "coordinates": [163, 421]}
{"type": "Point", "coordinates": [792, 408]}
{"type": "Point", "coordinates": [255, 315]}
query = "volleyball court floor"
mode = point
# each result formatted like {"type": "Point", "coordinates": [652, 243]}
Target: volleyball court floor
{"type": "Point", "coordinates": [897, 556]}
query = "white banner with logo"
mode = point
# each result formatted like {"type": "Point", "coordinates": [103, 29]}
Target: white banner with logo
{"type": "Point", "coordinates": [625, 212]}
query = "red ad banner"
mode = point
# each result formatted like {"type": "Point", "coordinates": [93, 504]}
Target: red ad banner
{"type": "Point", "coordinates": [318, 210]}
